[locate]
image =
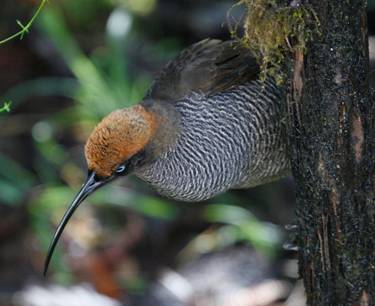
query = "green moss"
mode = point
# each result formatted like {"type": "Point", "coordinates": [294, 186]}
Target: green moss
{"type": "Point", "coordinates": [273, 30]}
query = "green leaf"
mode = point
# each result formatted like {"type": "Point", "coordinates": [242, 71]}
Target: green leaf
{"type": "Point", "coordinates": [46, 86]}
{"type": "Point", "coordinates": [244, 226]}
{"type": "Point", "coordinates": [10, 193]}
{"type": "Point", "coordinates": [14, 180]}
{"type": "Point", "coordinates": [15, 173]}
{"type": "Point", "coordinates": [227, 214]}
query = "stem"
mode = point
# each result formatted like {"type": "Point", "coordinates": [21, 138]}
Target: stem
{"type": "Point", "coordinates": [25, 29]}
{"type": "Point", "coordinates": [5, 107]}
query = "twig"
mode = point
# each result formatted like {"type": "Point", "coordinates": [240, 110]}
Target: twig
{"type": "Point", "coordinates": [25, 28]}
{"type": "Point", "coordinates": [6, 107]}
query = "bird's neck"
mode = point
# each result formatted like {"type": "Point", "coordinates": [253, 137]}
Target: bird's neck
{"type": "Point", "coordinates": [168, 128]}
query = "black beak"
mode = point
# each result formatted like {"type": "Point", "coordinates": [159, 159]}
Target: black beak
{"type": "Point", "coordinates": [92, 183]}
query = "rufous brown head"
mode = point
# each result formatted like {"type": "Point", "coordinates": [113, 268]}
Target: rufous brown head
{"type": "Point", "coordinates": [118, 137]}
{"type": "Point", "coordinates": [113, 149]}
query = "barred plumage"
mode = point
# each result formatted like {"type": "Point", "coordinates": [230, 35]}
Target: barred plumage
{"type": "Point", "coordinates": [229, 140]}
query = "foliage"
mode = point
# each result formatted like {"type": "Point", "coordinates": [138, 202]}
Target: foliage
{"type": "Point", "coordinates": [15, 180]}
{"type": "Point", "coordinates": [237, 224]}
{"type": "Point", "coordinates": [98, 93]}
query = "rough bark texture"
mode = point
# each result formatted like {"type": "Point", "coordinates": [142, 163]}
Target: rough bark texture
{"type": "Point", "coordinates": [332, 135]}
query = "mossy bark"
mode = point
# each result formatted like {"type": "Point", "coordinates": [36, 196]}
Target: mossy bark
{"type": "Point", "coordinates": [332, 138]}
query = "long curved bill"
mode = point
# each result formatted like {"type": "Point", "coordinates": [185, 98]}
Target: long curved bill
{"type": "Point", "coordinates": [92, 183]}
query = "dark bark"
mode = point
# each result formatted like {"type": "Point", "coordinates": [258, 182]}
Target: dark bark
{"type": "Point", "coordinates": [332, 137]}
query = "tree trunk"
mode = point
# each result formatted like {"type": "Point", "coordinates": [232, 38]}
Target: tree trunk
{"type": "Point", "coordinates": [332, 138]}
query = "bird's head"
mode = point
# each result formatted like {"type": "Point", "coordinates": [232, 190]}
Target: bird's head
{"type": "Point", "coordinates": [118, 139]}
{"type": "Point", "coordinates": [114, 148]}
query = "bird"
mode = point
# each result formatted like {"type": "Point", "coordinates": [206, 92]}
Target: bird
{"type": "Point", "coordinates": [207, 124]}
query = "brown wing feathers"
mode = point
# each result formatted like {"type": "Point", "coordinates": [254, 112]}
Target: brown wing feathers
{"type": "Point", "coordinates": [209, 66]}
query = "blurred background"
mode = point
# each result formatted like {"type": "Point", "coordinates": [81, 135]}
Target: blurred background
{"type": "Point", "coordinates": [125, 245]}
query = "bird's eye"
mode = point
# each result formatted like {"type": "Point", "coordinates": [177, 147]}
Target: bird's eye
{"type": "Point", "coordinates": [120, 169]}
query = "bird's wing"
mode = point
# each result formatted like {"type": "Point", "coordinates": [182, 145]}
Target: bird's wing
{"type": "Point", "coordinates": [208, 67]}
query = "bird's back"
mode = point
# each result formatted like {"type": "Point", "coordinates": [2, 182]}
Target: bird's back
{"type": "Point", "coordinates": [208, 67]}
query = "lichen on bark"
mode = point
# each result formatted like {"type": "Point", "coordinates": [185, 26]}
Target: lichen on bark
{"type": "Point", "coordinates": [274, 29]}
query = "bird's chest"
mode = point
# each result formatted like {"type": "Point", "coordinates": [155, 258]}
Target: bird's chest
{"type": "Point", "coordinates": [211, 154]}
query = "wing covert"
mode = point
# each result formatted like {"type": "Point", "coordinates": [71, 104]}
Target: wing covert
{"type": "Point", "coordinates": [209, 66]}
